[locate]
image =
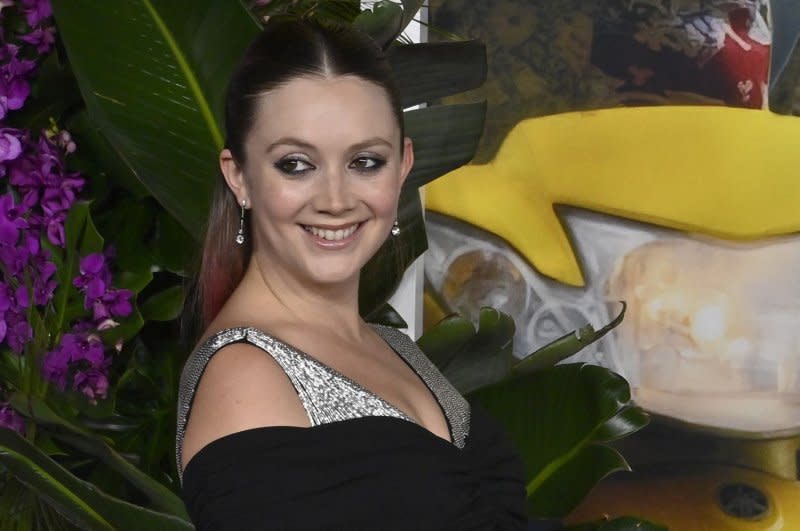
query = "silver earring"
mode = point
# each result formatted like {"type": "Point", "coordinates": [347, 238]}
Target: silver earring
{"type": "Point", "coordinates": [396, 228]}
{"type": "Point", "coordinates": [240, 234]}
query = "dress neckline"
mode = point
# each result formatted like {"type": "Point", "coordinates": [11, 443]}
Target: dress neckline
{"type": "Point", "coordinates": [378, 329]}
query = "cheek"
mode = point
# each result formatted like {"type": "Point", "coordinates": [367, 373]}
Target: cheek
{"type": "Point", "coordinates": [274, 206]}
{"type": "Point", "coordinates": [383, 202]}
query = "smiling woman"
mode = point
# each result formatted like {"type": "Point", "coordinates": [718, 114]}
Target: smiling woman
{"type": "Point", "coordinates": [293, 412]}
{"type": "Point", "coordinates": [334, 164]}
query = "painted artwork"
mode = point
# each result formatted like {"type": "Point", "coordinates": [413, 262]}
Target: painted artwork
{"type": "Point", "coordinates": [711, 51]}
{"type": "Point", "coordinates": [630, 153]}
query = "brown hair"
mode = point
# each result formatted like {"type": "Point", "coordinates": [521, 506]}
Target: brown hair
{"type": "Point", "coordinates": [286, 49]}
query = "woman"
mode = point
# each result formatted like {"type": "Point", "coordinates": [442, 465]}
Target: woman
{"type": "Point", "coordinates": [294, 413]}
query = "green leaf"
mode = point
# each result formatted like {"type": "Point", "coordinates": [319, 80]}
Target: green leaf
{"type": "Point", "coordinates": [173, 246]}
{"type": "Point", "coordinates": [444, 341]}
{"type": "Point", "coordinates": [153, 81]}
{"type": "Point", "coordinates": [97, 446]}
{"type": "Point", "coordinates": [67, 268]}
{"type": "Point", "coordinates": [428, 71]}
{"type": "Point", "coordinates": [100, 157]}
{"type": "Point", "coordinates": [472, 359]}
{"type": "Point", "coordinates": [383, 273]}
{"type": "Point", "coordinates": [77, 500]}
{"type": "Point", "coordinates": [128, 327]}
{"type": "Point", "coordinates": [383, 22]}
{"type": "Point", "coordinates": [54, 92]}
{"type": "Point", "coordinates": [35, 408]}
{"type": "Point", "coordinates": [553, 416]}
{"type": "Point", "coordinates": [164, 305]}
{"type": "Point", "coordinates": [39, 472]}
{"type": "Point", "coordinates": [90, 240]}
{"type": "Point", "coordinates": [130, 221]}
{"type": "Point", "coordinates": [386, 315]}
{"type": "Point", "coordinates": [10, 372]}
{"type": "Point", "coordinates": [445, 138]}
{"type": "Point", "coordinates": [624, 423]}
{"type": "Point", "coordinates": [565, 346]}
{"type": "Point", "coordinates": [134, 281]}
{"type": "Point", "coordinates": [82, 239]}
{"type": "Point", "coordinates": [23, 509]}
{"type": "Point", "coordinates": [559, 493]}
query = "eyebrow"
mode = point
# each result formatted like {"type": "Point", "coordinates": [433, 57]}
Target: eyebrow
{"type": "Point", "coordinates": [292, 141]}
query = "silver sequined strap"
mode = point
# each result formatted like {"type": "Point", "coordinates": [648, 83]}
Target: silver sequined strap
{"type": "Point", "coordinates": [190, 377]}
{"type": "Point", "coordinates": [455, 406]}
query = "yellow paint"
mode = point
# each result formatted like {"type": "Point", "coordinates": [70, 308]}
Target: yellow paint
{"type": "Point", "coordinates": [687, 500]}
{"type": "Point", "coordinates": [718, 171]}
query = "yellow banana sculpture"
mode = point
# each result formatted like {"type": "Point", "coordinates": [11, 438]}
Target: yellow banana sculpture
{"type": "Point", "coordinates": [720, 171]}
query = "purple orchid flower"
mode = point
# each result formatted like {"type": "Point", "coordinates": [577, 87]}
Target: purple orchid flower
{"type": "Point", "coordinates": [83, 354]}
{"type": "Point", "coordinates": [42, 38]}
{"type": "Point", "coordinates": [36, 11]}
{"type": "Point", "coordinates": [10, 419]}
{"type": "Point", "coordinates": [11, 220]}
{"type": "Point", "coordinates": [10, 145]}
{"type": "Point", "coordinates": [18, 332]}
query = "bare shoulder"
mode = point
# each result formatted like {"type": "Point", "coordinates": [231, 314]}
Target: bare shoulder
{"type": "Point", "coordinates": [241, 388]}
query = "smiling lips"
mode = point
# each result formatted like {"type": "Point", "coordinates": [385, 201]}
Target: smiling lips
{"type": "Point", "coordinates": [332, 235]}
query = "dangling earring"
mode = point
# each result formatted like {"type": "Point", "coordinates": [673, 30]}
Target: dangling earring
{"type": "Point", "coordinates": [240, 234]}
{"type": "Point", "coordinates": [396, 228]}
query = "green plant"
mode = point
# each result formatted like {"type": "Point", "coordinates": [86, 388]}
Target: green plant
{"type": "Point", "coordinates": [558, 416]}
{"type": "Point", "coordinates": [69, 323]}
{"type": "Point", "coordinates": [141, 94]}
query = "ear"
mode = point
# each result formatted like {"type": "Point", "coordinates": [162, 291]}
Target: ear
{"type": "Point", "coordinates": [234, 176]}
{"type": "Point", "coordinates": [408, 159]}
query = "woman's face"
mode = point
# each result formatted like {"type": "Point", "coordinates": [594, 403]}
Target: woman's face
{"type": "Point", "coordinates": [323, 172]}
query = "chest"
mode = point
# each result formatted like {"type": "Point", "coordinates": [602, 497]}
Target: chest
{"type": "Point", "coordinates": [377, 375]}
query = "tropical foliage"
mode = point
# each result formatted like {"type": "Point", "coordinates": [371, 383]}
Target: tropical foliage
{"type": "Point", "coordinates": [559, 417]}
{"type": "Point", "coordinates": [108, 144]}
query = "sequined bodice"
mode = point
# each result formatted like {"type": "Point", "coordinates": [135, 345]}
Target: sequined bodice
{"type": "Point", "coordinates": [327, 395]}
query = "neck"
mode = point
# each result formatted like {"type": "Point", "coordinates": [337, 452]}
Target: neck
{"type": "Point", "coordinates": [330, 307]}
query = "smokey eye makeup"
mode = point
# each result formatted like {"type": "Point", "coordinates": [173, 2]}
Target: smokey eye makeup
{"type": "Point", "coordinates": [293, 165]}
{"type": "Point", "coordinates": [296, 166]}
{"type": "Point", "coordinates": [368, 163]}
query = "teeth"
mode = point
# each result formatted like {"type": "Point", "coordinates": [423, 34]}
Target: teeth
{"type": "Point", "coordinates": [332, 235]}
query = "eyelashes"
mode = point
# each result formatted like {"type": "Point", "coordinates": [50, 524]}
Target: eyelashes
{"type": "Point", "coordinates": [297, 166]}
{"type": "Point", "coordinates": [367, 164]}
{"type": "Point", "coordinates": [293, 166]}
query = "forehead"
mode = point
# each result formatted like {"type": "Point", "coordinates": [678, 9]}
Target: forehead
{"type": "Point", "coordinates": [325, 111]}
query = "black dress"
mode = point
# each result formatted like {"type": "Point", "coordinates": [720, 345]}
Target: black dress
{"type": "Point", "coordinates": [362, 464]}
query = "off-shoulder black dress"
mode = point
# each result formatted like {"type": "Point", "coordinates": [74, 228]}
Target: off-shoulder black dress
{"type": "Point", "coordinates": [363, 464]}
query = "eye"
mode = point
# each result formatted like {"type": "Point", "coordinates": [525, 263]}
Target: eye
{"type": "Point", "coordinates": [367, 164]}
{"type": "Point", "coordinates": [293, 166]}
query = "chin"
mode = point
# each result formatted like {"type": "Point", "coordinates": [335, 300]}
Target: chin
{"type": "Point", "coordinates": [333, 274]}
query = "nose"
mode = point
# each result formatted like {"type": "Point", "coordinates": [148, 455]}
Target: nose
{"type": "Point", "coordinates": [334, 195]}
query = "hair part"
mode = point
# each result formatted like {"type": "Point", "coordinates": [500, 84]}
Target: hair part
{"type": "Point", "coordinates": [285, 50]}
